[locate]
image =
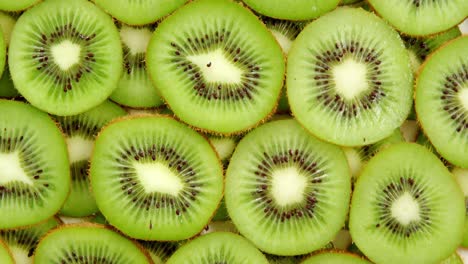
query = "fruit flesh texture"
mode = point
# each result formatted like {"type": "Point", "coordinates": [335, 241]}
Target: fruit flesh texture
{"type": "Point", "coordinates": [17, 5]}
{"type": "Point", "coordinates": [335, 258]}
{"type": "Point", "coordinates": [462, 178]}
{"type": "Point", "coordinates": [292, 10]}
{"type": "Point", "coordinates": [5, 254]}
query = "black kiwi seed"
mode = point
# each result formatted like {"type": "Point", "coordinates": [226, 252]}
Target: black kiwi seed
{"type": "Point", "coordinates": [450, 104]}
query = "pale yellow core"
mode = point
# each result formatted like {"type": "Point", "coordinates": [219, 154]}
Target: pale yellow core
{"type": "Point", "coordinates": [136, 39]}
{"type": "Point", "coordinates": [405, 209]}
{"type": "Point", "coordinates": [216, 68]}
{"type": "Point", "coordinates": [157, 177]}
{"type": "Point", "coordinates": [463, 96]}
{"type": "Point", "coordinates": [66, 54]}
{"type": "Point", "coordinates": [462, 178]}
{"type": "Point", "coordinates": [79, 148]}
{"type": "Point", "coordinates": [224, 147]}
{"type": "Point", "coordinates": [20, 255]}
{"type": "Point", "coordinates": [284, 42]}
{"type": "Point", "coordinates": [350, 78]}
{"type": "Point", "coordinates": [414, 61]}
{"type": "Point", "coordinates": [288, 186]}
{"type": "Point", "coordinates": [11, 170]}
{"type": "Point", "coordinates": [354, 161]}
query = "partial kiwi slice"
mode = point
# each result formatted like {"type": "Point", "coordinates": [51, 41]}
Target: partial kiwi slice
{"type": "Point", "coordinates": [23, 242]}
{"type": "Point", "coordinates": [80, 132]}
{"type": "Point", "coordinates": [406, 207]}
{"type": "Point", "coordinates": [331, 257]}
{"type": "Point", "coordinates": [453, 259]}
{"type": "Point", "coordinates": [34, 172]}
{"type": "Point", "coordinates": [218, 247]}
{"type": "Point", "coordinates": [287, 191]}
{"type": "Point", "coordinates": [462, 178]}
{"type": "Point", "coordinates": [292, 9]}
{"type": "Point", "coordinates": [88, 243]}
{"type": "Point", "coordinates": [7, 22]}
{"type": "Point", "coordinates": [65, 57]}
{"type": "Point", "coordinates": [155, 178]}
{"type": "Point", "coordinates": [17, 5]}
{"type": "Point", "coordinates": [221, 73]}
{"type": "Point", "coordinates": [139, 12]}
{"type": "Point", "coordinates": [135, 88]}
{"type": "Point", "coordinates": [3, 45]}
{"type": "Point", "coordinates": [160, 251]}
{"type": "Point", "coordinates": [441, 100]}
{"type": "Point", "coordinates": [348, 80]}
{"type": "Point", "coordinates": [419, 17]}
{"type": "Point", "coordinates": [5, 254]}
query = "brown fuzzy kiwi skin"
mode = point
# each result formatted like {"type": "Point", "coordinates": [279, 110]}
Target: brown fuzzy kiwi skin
{"type": "Point", "coordinates": [138, 116]}
{"type": "Point", "coordinates": [245, 130]}
{"type": "Point", "coordinates": [100, 226]}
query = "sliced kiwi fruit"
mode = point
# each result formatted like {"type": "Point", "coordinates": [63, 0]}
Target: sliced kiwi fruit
{"type": "Point", "coordinates": [135, 88]}
{"type": "Point", "coordinates": [348, 78]}
{"type": "Point", "coordinates": [283, 182]}
{"type": "Point", "coordinates": [80, 132]}
{"type": "Point", "coordinates": [224, 146]}
{"type": "Point", "coordinates": [218, 247]}
{"type": "Point", "coordinates": [7, 22]}
{"type": "Point", "coordinates": [155, 178]}
{"type": "Point", "coordinates": [17, 5]}
{"type": "Point", "coordinates": [160, 251]}
{"type": "Point", "coordinates": [441, 101]}
{"type": "Point", "coordinates": [5, 254]}
{"type": "Point", "coordinates": [23, 242]}
{"type": "Point", "coordinates": [220, 73]}
{"type": "Point", "coordinates": [406, 207]}
{"type": "Point", "coordinates": [34, 172]}
{"type": "Point", "coordinates": [139, 12]}
{"type": "Point", "coordinates": [420, 17]}
{"type": "Point", "coordinates": [65, 57]}
{"type": "Point", "coordinates": [462, 178]}
{"type": "Point", "coordinates": [292, 9]}
{"type": "Point", "coordinates": [91, 243]}
{"type": "Point", "coordinates": [335, 258]}
{"type": "Point", "coordinates": [453, 259]}
{"type": "Point", "coordinates": [3, 45]}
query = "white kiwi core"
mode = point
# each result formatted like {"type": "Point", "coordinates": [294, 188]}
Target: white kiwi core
{"type": "Point", "coordinates": [11, 170]}
{"type": "Point", "coordinates": [350, 78]}
{"type": "Point", "coordinates": [284, 42]}
{"type": "Point", "coordinates": [463, 96]}
{"type": "Point", "coordinates": [136, 39]}
{"type": "Point", "coordinates": [405, 209]}
{"type": "Point", "coordinates": [216, 68]}
{"type": "Point", "coordinates": [79, 148]}
{"type": "Point", "coordinates": [288, 186]}
{"type": "Point", "coordinates": [157, 177]}
{"type": "Point", "coordinates": [66, 54]}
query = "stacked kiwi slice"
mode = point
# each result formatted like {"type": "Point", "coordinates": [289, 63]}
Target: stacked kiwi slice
{"type": "Point", "coordinates": [233, 131]}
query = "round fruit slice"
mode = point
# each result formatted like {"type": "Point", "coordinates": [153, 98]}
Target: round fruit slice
{"type": "Point", "coordinates": [462, 178]}
{"type": "Point", "coordinates": [139, 12]}
{"type": "Point", "coordinates": [292, 9]}
{"type": "Point", "coordinates": [442, 100]}
{"type": "Point", "coordinates": [221, 73]}
{"type": "Point", "coordinates": [5, 254]}
{"type": "Point", "coordinates": [421, 17]}
{"type": "Point", "coordinates": [406, 207]}
{"type": "Point", "coordinates": [155, 179]}
{"type": "Point", "coordinates": [349, 79]}
{"type": "Point", "coordinates": [16, 5]}
{"type": "Point", "coordinates": [80, 132]}
{"type": "Point", "coordinates": [7, 23]}
{"type": "Point", "coordinates": [65, 57]}
{"type": "Point", "coordinates": [287, 191]}
{"type": "Point", "coordinates": [218, 247]}
{"type": "Point", "coordinates": [87, 243]}
{"type": "Point", "coordinates": [335, 258]}
{"type": "Point", "coordinates": [34, 172]}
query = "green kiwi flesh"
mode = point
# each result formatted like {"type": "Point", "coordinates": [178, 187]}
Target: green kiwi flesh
{"type": "Point", "coordinates": [23, 242]}
{"type": "Point", "coordinates": [34, 172]}
{"type": "Point", "coordinates": [5, 254]}
{"type": "Point", "coordinates": [462, 178]}
{"type": "Point", "coordinates": [7, 23]}
{"type": "Point", "coordinates": [345, 84]}
{"type": "Point", "coordinates": [292, 9]}
{"type": "Point", "coordinates": [284, 182]}
{"type": "Point", "coordinates": [139, 12]}
{"type": "Point", "coordinates": [406, 207]}
{"type": "Point", "coordinates": [335, 258]}
{"type": "Point", "coordinates": [91, 243]}
{"type": "Point", "coordinates": [453, 259]}
{"type": "Point", "coordinates": [157, 178]}
{"type": "Point", "coordinates": [418, 17]}
{"type": "Point", "coordinates": [218, 247]}
{"type": "Point", "coordinates": [80, 132]}
{"type": "Point", "coordinates": [441, 100]}
{"type": "Point", "coordinates": [17, 5]}
{"type": "Point", "coordinates": [65, 57]}
{"type": "Point", "coordinates": [220, 73]}
{"type": "Point", "coordinates": [160, 251]}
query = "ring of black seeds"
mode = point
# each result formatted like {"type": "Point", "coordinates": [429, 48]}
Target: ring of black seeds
{"type": "Point", "coordinates": [449, 96]}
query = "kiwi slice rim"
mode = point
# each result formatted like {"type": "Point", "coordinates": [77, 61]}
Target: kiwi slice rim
{"type": "Point", "coordinates": [292, 10]}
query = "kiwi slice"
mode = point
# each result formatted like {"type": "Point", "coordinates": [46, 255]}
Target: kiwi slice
{"type": "Point", "coordinates": [139, 12]}
{"type": "Point", "coordinates": [283, 182]}
{"type": "Point", "coordinates": [335, 258]}
{"type": "Point", "coordinates": [34, 172]}
{"type": "Point", "coordinates": [221, 73]}
{"type": "Point", "coordinates": [91, 243]}
{"type": "Point", "coordinates": [218, 247]}
{"type": "Point", "coordinates": [441, 100]}
{"type": "Point", "coordinates": [80, 132]}
{"type": "Point", "coordinates": [65, 57]}
{"type": "Point", "coordinates": [3, 45]}
{"type": "Point", "coordinates": [406, 207]}
{"type": "Point", "coordinates": [462, 178]}
{"type": "Point", "coordinates": [23, 242]}
{"type": "Point", "coordinates": [17, 5]}
{"type": "Point", "coordinates": [155, 178]}
{"type": "Point", "coordinates": [348, 78]}
{"type": "Point", "coordinates": [224, 146]}
{"type": "Point", "coordinates": [420, 17]}
{"type": "Point", "coordinates": [135, 88]}
{"type": "Point", "coordinates": [160, 251]}
{"type": "Point", "coordinates": [7, 23]}
{"type": "Point", "coordinates": [292, 9]}
{"type": "Point", "coordinates": [5, 254]}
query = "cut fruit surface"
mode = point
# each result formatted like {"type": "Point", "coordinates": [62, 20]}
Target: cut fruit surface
{"type": "Point", "coordinates": [284, 182]}
{"type": "Point", "coordinates": [292, 9]}
{"type": "Point", "coordinates": [5, 254]}
{"type": "Point", "coordinates": [221, 73]}
{"type": "Point", "coordinates": [345, 84]}
{"type": "Point", "coordinates": [406, 207]}
{"type": "Point", "coordinates": [155, 179]}
{"type": "Point", "coordinates": [17, 5]}
{"type": "Point", "coordinates": [335, 258]}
